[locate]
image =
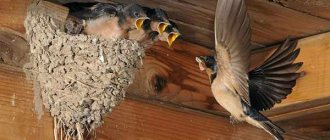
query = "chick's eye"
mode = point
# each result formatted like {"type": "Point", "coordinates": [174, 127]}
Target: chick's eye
{"type": "Point", "coordinates": [136, 14]}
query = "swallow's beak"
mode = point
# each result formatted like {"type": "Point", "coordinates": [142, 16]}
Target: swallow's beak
{"type": "Point", "coordinates": [139, 22]}
{"type": "Point", "coordinates": [162, 27]}
{"type": "Point", "coordinates": [200, 63]}
{"type": "Point", "coordinates": [198, 60]}
{"type": "Point", "coordinates": [172, 37]}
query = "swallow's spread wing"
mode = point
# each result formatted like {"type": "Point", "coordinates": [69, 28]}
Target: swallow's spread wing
{"type": "Point", "coordinates": [275, 78]}
{"type": "Point", "coordinates": [232, 35]}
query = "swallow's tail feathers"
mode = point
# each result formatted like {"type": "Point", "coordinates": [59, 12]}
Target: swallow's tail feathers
{"type": "Point", "coordinates": [257, 119]}
{"type": "Point", "coordinates": [272, 129]}
{"type": "Point", "coordinates": [275, 78]}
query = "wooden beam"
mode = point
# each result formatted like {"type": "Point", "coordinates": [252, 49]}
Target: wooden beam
{"type": "Point", "coordinates": [130, 120]}
{"type": "Point", "coordinates": [18, 121]}
{"type": "Point", "coordinates": [316, 126]}
{"type": "Point", "coordinates": [13, 13]}
{"type": "Point", "coordinates": [273, 23]}
{"type": "Point", "coordinates": [171, 75]}
{"type": "Point", "coordinates": [319, 8]}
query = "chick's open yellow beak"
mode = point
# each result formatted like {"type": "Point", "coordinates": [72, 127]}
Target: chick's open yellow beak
{"type": "Point", "coordinates": [162, 27]}
{"type": "Point", "coordinates": [172, 37]}
{"type": "Point", "coordinates": [139, 22]}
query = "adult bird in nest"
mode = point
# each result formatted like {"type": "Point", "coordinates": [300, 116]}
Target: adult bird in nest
{"type": "Point", "coordinates": [241, 92]}
{"type": "Point", "coordinates": [110, 21]}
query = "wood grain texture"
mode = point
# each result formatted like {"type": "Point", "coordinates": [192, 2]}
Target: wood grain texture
{"type": "Point", "coordinates": [316, 126]}
{"type": "Point", "coordinates": [18, 121]}
{"type": "Point", "coordinates": [13, 47]}
{"type": "Point", "coordinates": [131, 120]}
{"type": "Point", "coordinates": [13, 13]}
{"type": "Point", "coordinates": [319, 8]}
{"type": "Point", "coordinates": [173, 76]}
{"type": "Point", "coordinates": [273, 23]}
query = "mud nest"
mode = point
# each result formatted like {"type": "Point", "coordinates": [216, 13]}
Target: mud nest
{"type": "Point", "coordinates": [81, 77]}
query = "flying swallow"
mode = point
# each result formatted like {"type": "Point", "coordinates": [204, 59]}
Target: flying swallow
{"type": "Point", "coordinates": [241, 92]}
{"type": "Point", "coordinates": [108, 20]}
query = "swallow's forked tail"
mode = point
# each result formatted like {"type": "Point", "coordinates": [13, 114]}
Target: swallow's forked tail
{"type": "Point", "coordinates": [273, 129]}
{"type": "Point", "coordinates": [259, 120]}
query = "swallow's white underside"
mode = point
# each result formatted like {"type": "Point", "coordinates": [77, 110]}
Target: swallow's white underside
{"type": "Point", "coordinates": [231, 102]}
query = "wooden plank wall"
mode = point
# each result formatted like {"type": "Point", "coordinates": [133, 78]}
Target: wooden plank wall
{"type": "Point", "coordinates": [131, 120]}
{"type": "Point", "coordinates": [318, 8]}
{"type": "Point", "coordinates": [13, 14]}
{"type": "Point", "coordinates": [174, 80]}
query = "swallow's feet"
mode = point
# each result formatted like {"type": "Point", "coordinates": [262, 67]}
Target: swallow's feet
{"type": "Point", "coordinates": [233, 120]}
{"type": "Point", "coordinates": [73, 25]}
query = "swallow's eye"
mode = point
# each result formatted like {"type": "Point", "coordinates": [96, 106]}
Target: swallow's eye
{"type": "Point", "coordinates": [136, 14]}
{"type": "Point", "coordinates": [209, 60]}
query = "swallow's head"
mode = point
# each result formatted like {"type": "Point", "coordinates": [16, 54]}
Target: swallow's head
{"type": "Point", "coordinates": [205, 62]}
{"type": "Point", "coordinates": [170, 34]}
{"type": "Point", "coordinates": [136, 14]}
{"type": "Point", "coordinates": [160, 18]}
{"type": "Point", "coordinates": [208, 64]}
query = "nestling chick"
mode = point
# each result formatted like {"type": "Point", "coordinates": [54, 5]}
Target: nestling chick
{"type": "Point", "coordinates": [157, 28]}
{"type": "Point", "coordinates": [151, 28]}
{"type": "Point", "coordinates": [209, 65]}
{"type": "Point", "coordinates": [159, 20]}
{"type": "Point", "coordinates": [170, 34]}
{"type": "Point", "coordinates": [108, 20]}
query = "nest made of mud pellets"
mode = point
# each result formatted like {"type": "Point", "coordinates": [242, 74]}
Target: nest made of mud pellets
{"type": "Point", "coordinates": [80, 78]}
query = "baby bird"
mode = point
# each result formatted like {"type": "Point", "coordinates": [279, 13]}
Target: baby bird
{"type": "Point", "coordinates": [152, 28]}
{"type": "Point", "coordinates": [170, 34]}
{"type": "Point", "coordinates": [104, 19]}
